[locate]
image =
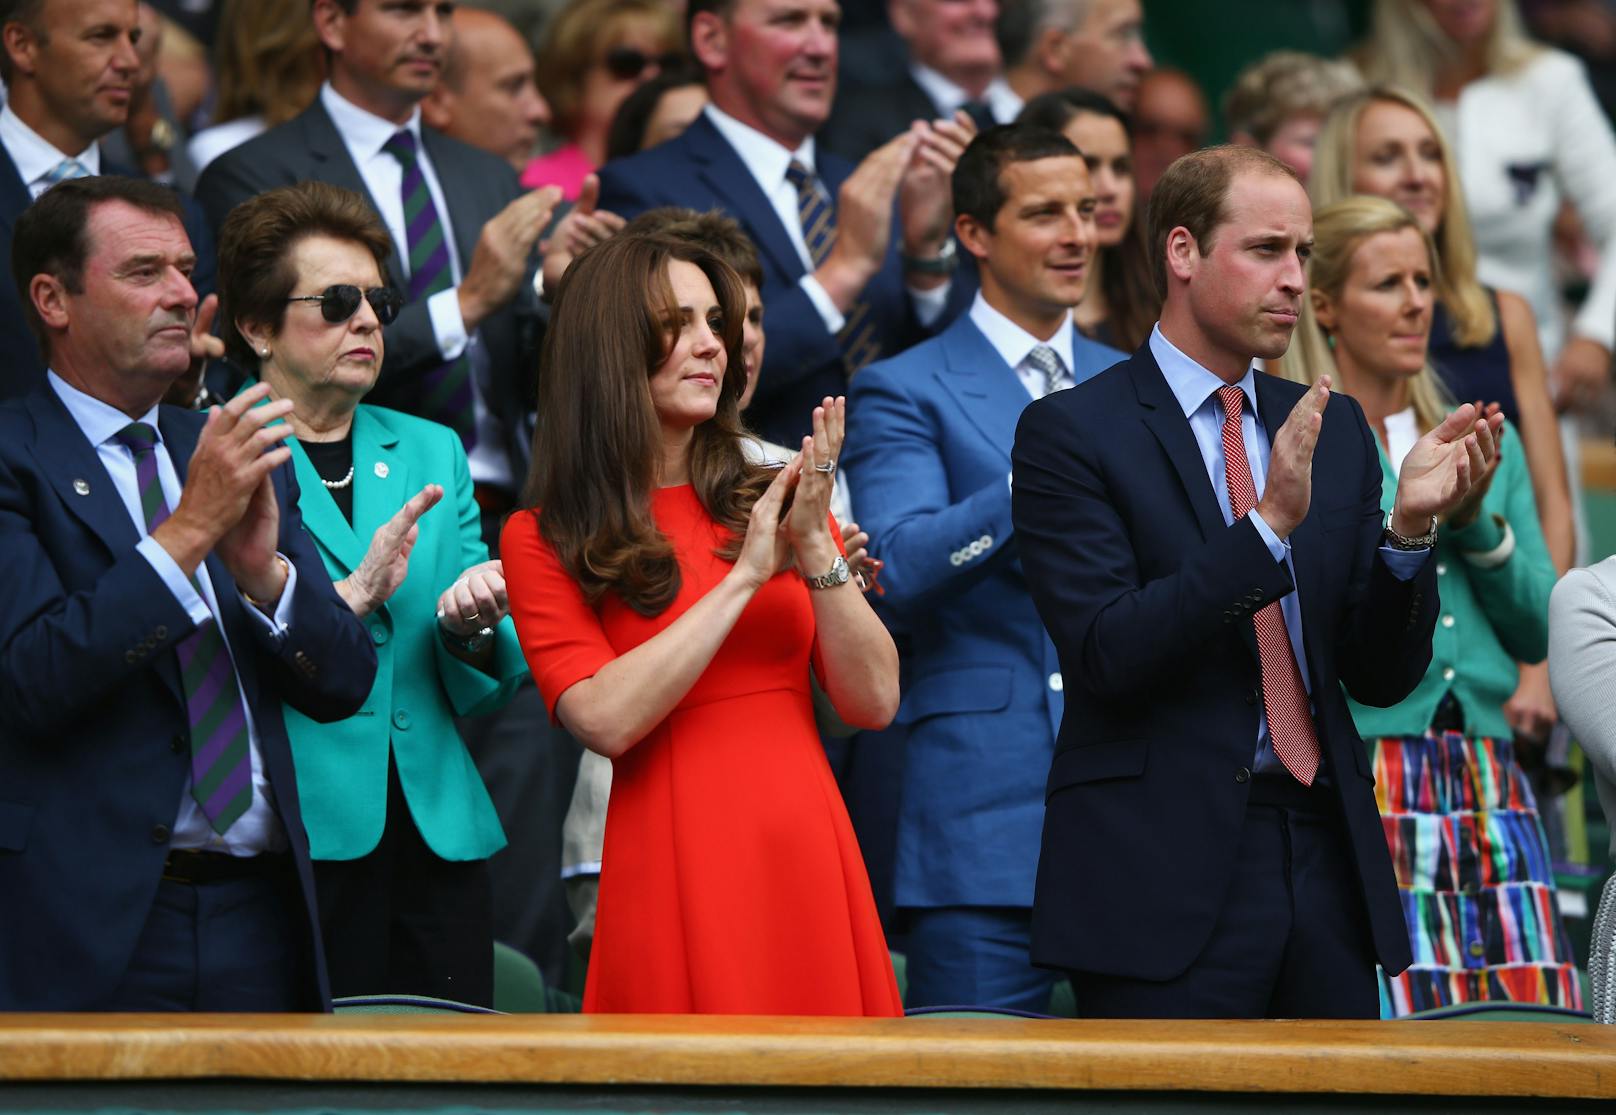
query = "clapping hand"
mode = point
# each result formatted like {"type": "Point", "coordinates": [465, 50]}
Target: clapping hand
{"type": "Point", "coordinates": [926, 197]}
{"type": "Point", "coordinates": [476, 600]}
{"type": "Point", "coordinates": [1465, 511]}
{"type": "Point", "coordinates": [1443, 466]}
{"type": "Point", "coordinates": [808, 522]}
{"type": "Point", "coordinates": [766, 550]}
{"type": "Point", "coordinates": [582, 228]}
{"type": "Point", "coordinates": [1289, 490]}
{"type": "Point", "coordinates": [387, 560]}
{"type": "Point", "coordinates": [855, 543]}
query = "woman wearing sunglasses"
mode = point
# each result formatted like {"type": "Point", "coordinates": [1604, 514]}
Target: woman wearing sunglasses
{"type": "Point", "coordinates": [595, 53]}
{"type": "Point", "coordinates": [399, 822]}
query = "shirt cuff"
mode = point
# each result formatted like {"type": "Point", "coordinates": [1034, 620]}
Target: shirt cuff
{"type": "Point", "coordinates": [275, 627]}
{"type": "Point", "coordinates": [833, 318]}
{"type": "Point", "coordinates": [930, 304]}
{"type": "Point", "coordinates": [1404, 564]}
{"type": "Point", "coordinates": [1277, 546]}
{"type": "Point", "coordinates": [448, 327]}
{"type": "Point", "coordinates": [178, 583]}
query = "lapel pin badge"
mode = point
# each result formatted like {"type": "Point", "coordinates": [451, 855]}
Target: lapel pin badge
{"type": "Point", "coordinates": [82, 487]}
{"type": "Point", "coordinates": [381, 469]}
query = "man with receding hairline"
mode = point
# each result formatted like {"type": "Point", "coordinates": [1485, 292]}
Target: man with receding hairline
{"type": "Point", "coordinates": [487, 95]}
{"type": "Point", "coordinates": [1097, 45]}
{"type": "Point", "coordinates": [1205, 545]}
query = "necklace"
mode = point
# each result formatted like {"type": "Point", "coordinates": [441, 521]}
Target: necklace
{"type": "Point", "coordinates": [338, 485]}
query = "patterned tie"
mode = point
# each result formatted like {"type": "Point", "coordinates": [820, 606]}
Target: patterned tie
{"type": "Point", "coordinates": [447, 396]}
{"type": "Point", "coordinates": [61, 172]}
{"type": "Point", "coordinates": [221, 764]}
{"type": "Point", "coordinates": [1048, 361]}
{"type": "Point", "coordinates": [857, 338]}
{"type": "Point", "coordinates": [981, 114]}
{"type": "Point", "coordinates": [1290, 722]}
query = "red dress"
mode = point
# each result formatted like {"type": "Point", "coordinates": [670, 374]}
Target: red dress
{"type": "Point", "coordinates": [731, 881]}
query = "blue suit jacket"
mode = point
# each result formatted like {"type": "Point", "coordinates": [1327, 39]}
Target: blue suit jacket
{"type": "Point", "coordinates": [700, 170]}
{"type": "Point", "coordinates": [93, 724]}
{"type": "Point", "coordinates": [929, 438]}
{"type": "Point", "coordinates": [1148, 595]}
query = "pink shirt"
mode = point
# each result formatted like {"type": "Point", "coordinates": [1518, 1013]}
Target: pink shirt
{"type": "Point", "coordinates": [565, 167]}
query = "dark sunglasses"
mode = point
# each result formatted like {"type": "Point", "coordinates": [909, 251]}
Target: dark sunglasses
{"type": "Point", "coordinates": [340, 302]}
{"type": "Point", "coordinates": [625, 63]}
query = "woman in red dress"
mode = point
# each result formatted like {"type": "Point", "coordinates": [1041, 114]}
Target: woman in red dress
{"type": "Point", "coordinates": [671, 598]}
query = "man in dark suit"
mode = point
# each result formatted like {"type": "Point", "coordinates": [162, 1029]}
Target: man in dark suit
{"type": "Point", "coordinates": [848, 276]}
{"type": "Point", "coordinates": [162, 603]}
{"type": "Point", "coordinates": [463, 349]}
{"type": "Point", "coordinates": [953, 64]}
{"type": "Point", "coordinates": [1211, 843]}
{"type": "Point", "coordinates": [70, 67]}
{"type": "Point", "coordinates": [929, 437]}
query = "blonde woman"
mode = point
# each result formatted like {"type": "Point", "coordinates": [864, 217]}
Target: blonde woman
{"type": "Point", "coordinates": [1471, 859]}
{"type": "Point", "coordinates": [1528, 133]}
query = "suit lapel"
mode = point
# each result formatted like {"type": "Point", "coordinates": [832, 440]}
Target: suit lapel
{"type": "Point", "coordinates": [986, 388]}
{"type": "Point", "coordinates": [14, 195]}
{"type": "Point", "coordinates": [727, 176]}
{"type": "Point", "coordinates": [450, 172]}
{"type": "Point", "coordinates": [334, 165]}
{"type": "Point", "coordinates": [1165, 419]}
{"type": "Point", "coordinates": [78, 476]}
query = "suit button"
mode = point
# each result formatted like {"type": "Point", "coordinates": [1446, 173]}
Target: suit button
{"type": "Point", "coordinates": [956, 558]}
{"type": "Point", "coordinates": [987, 541]}
{"type": "Point", "coordinates": [1441, 569]}
{"type": "Point", "coordinates": [378, 634]}
{"type": "Point", "coordinates": [159, 834]}
{"type": "Point", "coordinates": [161, 632]}
{"type": "Point", "coordinates": [401, 720]}
{"type": "Point", "coordinates": [1242, 775]}
{"type": "Point", "coordinates": [131, 657]}
{"type": "Point", "coordinates": [1055, 682]}
{"type": "Point", "coordinates": [177, 745]}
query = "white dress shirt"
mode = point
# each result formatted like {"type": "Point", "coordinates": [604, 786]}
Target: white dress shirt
{"type": "Point", "coordinates": [767, 161]}
{"type": "Point", "coordinates": [948, 98]}
{"type": "Point", "coordinates": [1014, 344]}
{"type": "Point", "coordinates": [36, 156]}
{"type": "Point", "coordinates": [259, 829]}
{"type": "Point", "coordinates": [365, 135]}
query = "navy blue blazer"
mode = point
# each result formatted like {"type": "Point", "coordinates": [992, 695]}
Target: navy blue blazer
{"type": "Point", "coordinates": [928, 449]}
{"type": "Point", "coordinates": [1148, 596]}
{"type": "Point", "coordinates": [93, 723]}
{"type": "Point", "coordinates": [700, 170]}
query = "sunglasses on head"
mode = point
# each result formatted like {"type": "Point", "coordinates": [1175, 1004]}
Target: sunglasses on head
{"type": "Point", "coordinates": [340, 302]}
{"type": "Point", "coordinates": [626, 63]}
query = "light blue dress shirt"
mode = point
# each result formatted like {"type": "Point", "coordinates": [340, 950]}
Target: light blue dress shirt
{"type": "Point", "coordinates": [259, 829]}
{"type": "Point", "coordinates": [1196, 390]}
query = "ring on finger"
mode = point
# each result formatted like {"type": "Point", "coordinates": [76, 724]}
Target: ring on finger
{"type": "Point", "coordinates": [828, 468]}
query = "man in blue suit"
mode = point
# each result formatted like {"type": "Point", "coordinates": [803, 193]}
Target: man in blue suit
{"type": "Point", "coordinates": [848, 275]}
{"type": "Point", "coordinates": [162, 602]}
{"type": "Point", "coordinates": [929, 437]}
{"type": "Point", "coordinates": [1205, 545]}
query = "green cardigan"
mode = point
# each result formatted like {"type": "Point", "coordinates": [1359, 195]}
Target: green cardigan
{"type": "Point", "coordinates": [1490, 619]}
{"type": "Point", "coordinates": [420, 687]}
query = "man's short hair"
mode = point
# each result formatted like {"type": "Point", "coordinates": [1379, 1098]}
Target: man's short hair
{"type": "Point", "coordinates": [52, 234]}
{"type": "Point", "coordinates": [719, 234]}
{"type": "Point", "coordinates": [1021, 22]}
{"type": "Point", "coordinates": [29, 13]}
{"type": "Point", "coordinates": [1194, 193]}
{"type": "Point", "coordinates": [723, 9]}
{"type": "Point", "coordinates": [978, 181]}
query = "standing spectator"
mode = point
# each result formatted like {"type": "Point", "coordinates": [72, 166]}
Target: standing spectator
{"type": "Point", "coordinates": [1120, 300]}
{"type": "Point", "coordinates": [1054, 44]}
{"type": "Point", "coordinates": [1170, 120]}
{"type": "Point", "coordinates": [488, 96]}
{"type": "Point", "coordinates": [595, 53]}
{"type": "Point", "coordinates": [1279, 103]}
{"type": "Point", "coordinates": [1472, 863]}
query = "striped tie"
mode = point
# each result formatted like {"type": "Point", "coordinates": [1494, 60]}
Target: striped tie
{"type": "Point", "coordinates": [1048, 361]}
{"type": "Point", "coordinates": [61, 172]}
{"type": "Point", "coordinates": [857, 338]}
{"type": "Point", "coordinates": [447, 395]}
{"type": "Point", "coordinates": [221, 763]}
{"type": "Point", "coordinates": [1290, 721]}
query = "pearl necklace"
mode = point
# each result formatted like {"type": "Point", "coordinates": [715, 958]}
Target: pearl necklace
{"type": "Point", "coordinates": [338, 485]}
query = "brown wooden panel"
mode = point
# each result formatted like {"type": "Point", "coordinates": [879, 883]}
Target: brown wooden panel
{"type": "Point", "coordinates": [1599, 465]}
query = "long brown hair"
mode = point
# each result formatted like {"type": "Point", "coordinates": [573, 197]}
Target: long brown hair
{"type": "Point", "coordinates": [598, 445]}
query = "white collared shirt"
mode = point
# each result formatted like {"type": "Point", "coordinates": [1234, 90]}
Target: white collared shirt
{"type": "Point", "coordinates": [35, 155]}
{"type": "Point", "coordinates": [948, 98]}
{"type": "Point", "coordinates": [259, 829]}
{"type": "Point", "coordinates": [1013, 344]}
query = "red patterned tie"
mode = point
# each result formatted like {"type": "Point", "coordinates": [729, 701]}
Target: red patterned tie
{"type": "Point", "coordinates": [1290, 722]}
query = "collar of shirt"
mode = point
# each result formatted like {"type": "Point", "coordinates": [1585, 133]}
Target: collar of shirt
{"type": "Point", "coordinates": [35, 155]}
{"type": "Point", "coordinates": [364, 130]}
{"type": "Point", "coordinates": [1012, 342]}
{"type": "Point", "coordinates": [99, 420]}
{"type": "Point", "coordinates": [1191, 384]}
{"type": "Point", "coordinates": [947, 97]}
{"type": "Point", "coordinates": [765, 158]}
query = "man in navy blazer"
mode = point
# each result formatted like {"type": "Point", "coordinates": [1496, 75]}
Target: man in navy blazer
{"type": "Point", "coordinates": [152, 855]}
{"type": "Point", "coordinates": [929, 438]}
{"type": "Point", "coordinates": [1205, 545]}
{"type": "Point", "coordinates": [847, 275]}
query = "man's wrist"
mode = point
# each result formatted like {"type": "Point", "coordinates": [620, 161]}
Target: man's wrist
{"type": "Point", "coordinates": [843, 280]}
{"type": "Point", "coordinates": [472, 307]}
{"type": "Point", "coordinates": [187, 545]}
{"type": "Point", "coordinates": [263, 589]}
{"type": "Point", "coordinates": [1408, 526]}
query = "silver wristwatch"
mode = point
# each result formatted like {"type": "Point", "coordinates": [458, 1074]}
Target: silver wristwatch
{"type": "Point", "coordinates": [1404, 542]}
{"type": "Point", "coordinates": [839, 574]}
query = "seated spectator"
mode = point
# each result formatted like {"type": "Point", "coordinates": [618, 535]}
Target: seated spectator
{"type": "Point", "coordinates": [1170, 120]}
{"type": "Point", "coordinates": [1472, 865]}
{"type": "Point", "coordinates": [1049, 45]}
{"type": "Point", "coordinates": [1279, 102]}
{"type": "Point", "coordinates": [151, 630]}
{"type": "Point", "coordinates": [400, 826]}
{"type": "Point", "coordinates": [656, 111]}
{"type": "Point", "coordinates": [487, 95]}
{"type": "Point", "coordinates": [1120, 300]}
{"type": "Point", "coordinates": [953, 65]}
{"type": "Point", "coordinates": [268, 68]}
{"type": "Point", "coordinates": [595, 53]}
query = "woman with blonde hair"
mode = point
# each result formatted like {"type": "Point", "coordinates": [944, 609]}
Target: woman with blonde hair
{"type": "Point", "coordinates": [1471, 859]}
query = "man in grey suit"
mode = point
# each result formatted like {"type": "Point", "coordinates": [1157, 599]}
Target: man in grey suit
{"type": "Point", "coordinates": [463, 230]}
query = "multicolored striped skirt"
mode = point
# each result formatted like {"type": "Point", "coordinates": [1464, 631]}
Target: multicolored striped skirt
{"type": "Point", "coordinates": [1474, 875]}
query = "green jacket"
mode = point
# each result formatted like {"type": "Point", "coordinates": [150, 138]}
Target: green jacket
{"type": "Point", "coordinates": [420, 687]}
{"type": "Point", "coordinates": [1490, 619]}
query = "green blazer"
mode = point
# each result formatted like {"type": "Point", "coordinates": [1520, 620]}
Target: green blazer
{"type": "Point", "coordinates": [420, 687]}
